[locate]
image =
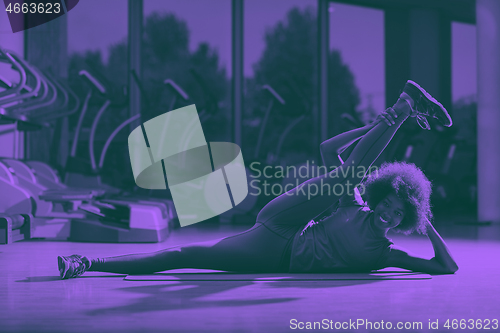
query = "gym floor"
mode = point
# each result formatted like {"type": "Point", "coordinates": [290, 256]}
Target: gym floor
{"type": "Point", "coordinates": [33, 299]}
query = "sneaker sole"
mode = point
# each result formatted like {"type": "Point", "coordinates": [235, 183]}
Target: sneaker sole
{"type": "Point", "coordinates": [433, 101]}
{"type": "Point", "coordinates": [63, 267]}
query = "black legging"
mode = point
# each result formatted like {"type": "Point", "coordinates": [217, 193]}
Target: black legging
{"type": "Point", "coordinates": [266, 246]}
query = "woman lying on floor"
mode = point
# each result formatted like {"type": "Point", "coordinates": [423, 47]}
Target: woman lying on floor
{"type": "Point", "coordinates": [303, 233]}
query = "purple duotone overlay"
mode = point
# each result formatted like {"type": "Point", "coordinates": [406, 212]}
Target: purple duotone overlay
{"type": "Point", "coordinates": [257, 75]}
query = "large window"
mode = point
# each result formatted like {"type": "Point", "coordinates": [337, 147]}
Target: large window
{"type": "Point", "coordinates": [107, 28]}
{"type": "Point", "coordinates": [463, 169]}
{"type": "Point", "coordinates": [8, 40]}
{"type": "Point", "coordinates": [99, 46]}
{"type": "Point", "coordinates": [463, 61]}
{"type": "Point", "coordinates": [464, 81]}
{"type": "Point", "coordinates": [357, 40]}
{"type": "Point", "coordinates": [279, 66]}
{"type": "Point", "coordinates": [207, 22]}
{"type": "Point", "coordinates": [189, 43]}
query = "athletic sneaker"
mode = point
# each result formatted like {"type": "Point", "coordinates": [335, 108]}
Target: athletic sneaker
{"type": "Point", "coordinates": [426, 105]}
{"type": "Point", "coordinates": [72, 266]}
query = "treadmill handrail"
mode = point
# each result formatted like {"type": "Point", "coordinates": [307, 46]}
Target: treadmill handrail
{"type": "Point", "coordinates": [25, 69]}
{"type": "Point", "coordinates": [206, 90]}
{"type": "Point", "coordinates": [176, 88]}
{"type": "Point", "coordinates": [98, 85]}
{"type": "Point", "coordinates": [142, 91]}
{"type": "Point", "coordinates": [92, 133]}
{"type": "Point", "coordinates": [287, 131]}
{"type": "Point", "coordinates": [79, 124]}
{"type": "Point", "coordinates": [56, 86]}
{"type": "Point", "coordinates": [266, 116]}
{"type": "Point", "coordinates": [37, 101]}
{"type": "Point", "coordinates": [112, 136]}
{"type": "Point", "coordinates": [274, 93]}
{"type": "Point", "coordinates": [4, 83]}
{"type": "Point", "coordinates": [51, 88]}
{"type": "Point", "coordinates": [17, 67]}
{"type": "Point", "coordinates": [33, 92]}
{"type": "Point", "coordinates": [70, 112]}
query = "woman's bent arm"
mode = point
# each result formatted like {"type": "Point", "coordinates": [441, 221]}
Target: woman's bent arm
{"type": "Point", "coordinates": [441, 251]}
{"type": "Point", "coordinates": [442, 263]}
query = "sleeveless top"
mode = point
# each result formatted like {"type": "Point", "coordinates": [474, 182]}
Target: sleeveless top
{"type": "Point", "coordinates": [344, 241]}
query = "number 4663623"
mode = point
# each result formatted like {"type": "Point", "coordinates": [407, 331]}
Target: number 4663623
{"type": "Point", "coordinates": [472, 324]}
{"type": "Point", "coordinates": [34, 8]}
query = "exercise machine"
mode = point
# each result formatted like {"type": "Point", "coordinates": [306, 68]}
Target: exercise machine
{"type": "Point", "coordinates": [38, 186]}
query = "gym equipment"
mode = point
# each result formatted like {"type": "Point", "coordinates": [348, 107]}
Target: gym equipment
{"type": "Point", "coordinates": [246, 211]}
{"type": "Point", "coordinates": [274, 97]}
{"type": "Point", "coordinates": [5, 83]}
{"type": "Point", "coordinates": [50, 201]}
{"type": "Point", "coordinates": [146, 217]}
{"type": "Point", "coordinates": [14, 228]}
{"type": "Point", "coordinates": [437, 166]}
{"type": "Point", "coordinates": [42, 218]}
{"type": "Point", "coordinates": [93, 179]}
{"type": "Point", "coordinates": [210, 107]}
{"type": "Point", "coordinates": [133, 221]}
{"type": "Point", "coordinates": [20, 196]}
{"type": "Point", "coordinates": [285, 133]}
{"type": "Point", "coordinates": [74, 175]}
{"type": "Point", "coordinates": [45, 196]}
{"type": "Point", "coordinates": [36, 189]}
{"type": "Point", "coordinates": [306, 104]}
{"type": "Point", "coordinates": [178, 92]}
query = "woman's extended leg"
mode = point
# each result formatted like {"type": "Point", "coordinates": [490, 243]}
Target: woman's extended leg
{"type": "Point", "coordinates": [254, 250]}
{"type": "Point", "coordinates": [315, 195]}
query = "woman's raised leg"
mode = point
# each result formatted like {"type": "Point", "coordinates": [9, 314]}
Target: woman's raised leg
{"type": "Point", "coordinates": [311, 198]}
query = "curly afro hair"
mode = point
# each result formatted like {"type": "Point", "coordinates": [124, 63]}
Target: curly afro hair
{"type": "Point", "coordinates": [410, 184]}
